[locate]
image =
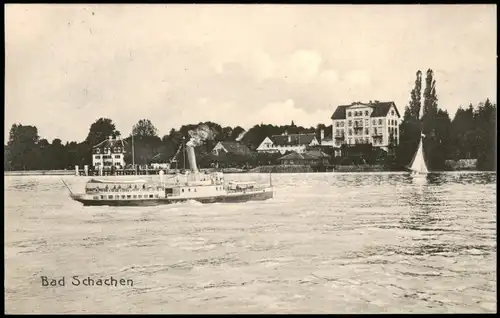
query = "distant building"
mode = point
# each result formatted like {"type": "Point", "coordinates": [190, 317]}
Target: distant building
{"type": "Point", "coordinates": [232, 147]}
{"type": "Point", "coordinates": [326, 141]}
{"type": "Point", "coordinates": [375, 123]}
{"type": "Point", "coordinates": [109, 153]}
{"type": "Point", "coordinates": [285, 142]}
{"type": "Point", "coordinates": [311, 158]}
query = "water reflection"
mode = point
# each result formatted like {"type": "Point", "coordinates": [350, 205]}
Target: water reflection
{"type": "Point", "coordinates": [429, 215]}
{"type": "Point", "coordinates": [425, 207]}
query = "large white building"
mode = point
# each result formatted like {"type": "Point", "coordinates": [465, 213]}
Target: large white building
{"type": "Point", "coordinates": [288, 142]}
{"type": "Point", "coordinates": [374, 122]}
{"type": "Point", "coordinates": [108, 153]}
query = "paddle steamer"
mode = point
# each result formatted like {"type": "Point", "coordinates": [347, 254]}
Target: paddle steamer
{"type": "Point", "coordinates": [192, 185]}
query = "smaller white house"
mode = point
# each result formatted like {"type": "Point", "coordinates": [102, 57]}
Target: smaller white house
{"type": "Point", "coordinates": [285, 142]}
{"type": "Point", "coordinates": [108, 153]}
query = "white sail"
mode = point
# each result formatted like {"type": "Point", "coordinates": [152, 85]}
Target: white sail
{"type": "Point", "coordinates": [418, 163]}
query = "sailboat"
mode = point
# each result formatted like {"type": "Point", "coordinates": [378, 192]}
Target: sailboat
{"type": "Point", "coordinates": [417, 165]}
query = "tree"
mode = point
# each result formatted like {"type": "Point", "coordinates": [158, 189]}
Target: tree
{"type": "Point", "coordinates": [410, 128]}
{"type": "Point", "coordinates": [22, 146]}
{"type": "Point", "coordinates": [100, 130]}
{"type": "Point", "coordinates": [462, 126]}
{"type": "Point", "coordinates": [485, 119]}
{"type": "Point", "coordinates": [144, 127]}
{"type": "Point", "coordinates": [433, 118]}
{"type": "Point", "coordinates": [237, 134]}
{"type": "Point", "coordinates": [416, 93]}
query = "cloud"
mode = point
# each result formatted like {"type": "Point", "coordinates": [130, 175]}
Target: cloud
{"type": "Point", "coordinates": [284, 112]}
{"type": "Point", "coordinates": [68, 65]}
{"type": "Point", "coordinates": [302, 66]}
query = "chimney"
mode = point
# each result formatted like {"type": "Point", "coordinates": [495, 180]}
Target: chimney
{"type": "Point", "coordinates": [322, 134]}
{"type": "Point", "coordinates": [191, 158]}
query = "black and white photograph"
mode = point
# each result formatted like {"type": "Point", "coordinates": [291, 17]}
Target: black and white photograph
{"type": "Point", "coordinates": [250, 159]}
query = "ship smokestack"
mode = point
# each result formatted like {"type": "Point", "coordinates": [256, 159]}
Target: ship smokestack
{"type": "Point", "coordinates": [191, 158]}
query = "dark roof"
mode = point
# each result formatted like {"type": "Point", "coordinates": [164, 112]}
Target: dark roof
{"type": "Point", "coordinates": [295, 139]}
{"type": "Point", "coordinates": [380, 109]}
{"type": "Point", "coordinates": [110, 143]}
{"type": "Point", "coordinates": [309, 155]}
{"type": "Point", "coordinates": [235, 147]}
{"type": "Point", "coordinates": [339, 113]}
{"type": "Point", "coordinates": [317, 153]}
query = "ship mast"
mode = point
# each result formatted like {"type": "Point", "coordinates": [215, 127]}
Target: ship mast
{"type": "Point", "coordinates": [183, 153]}
{"type": "Point", "coordinates": [133, 150]}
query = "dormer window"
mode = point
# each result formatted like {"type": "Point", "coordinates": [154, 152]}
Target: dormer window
{"type": "Point", "coordinates": [97, 150]}
{"type": "Point", "coordinates": [119, 149]}
{"type": "Point", "coordinates": [114, 149]}
{"type": "Point", "coordinates": [366, 113]}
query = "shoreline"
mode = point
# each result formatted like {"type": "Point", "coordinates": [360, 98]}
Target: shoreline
{"type": "Point", "coordinates": [340, 171]}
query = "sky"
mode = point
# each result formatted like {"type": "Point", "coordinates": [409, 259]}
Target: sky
{"type": "Point", "coordinates": [68, 65]}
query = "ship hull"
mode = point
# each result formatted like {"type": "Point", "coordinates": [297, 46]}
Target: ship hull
{"type": "Point", "coordinates": [228, 198]}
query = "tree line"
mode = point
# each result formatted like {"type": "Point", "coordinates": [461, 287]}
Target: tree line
{"type": "Point", "coordinates": [26, 150]}
{"type": "Point", "coordinates": [470, 135]}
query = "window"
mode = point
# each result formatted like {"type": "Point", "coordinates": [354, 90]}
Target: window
{"type": "Point", "coordinates": [135, 196]}
{"type": "Point", "coordinates": [374, 122]}
{"type": "Point", "coordinates": [350, 132]}
{"type": "Point", "coordinates": [366, 113]}
{"type": "Point", "coordinates": [114, 149]}
{"type": "Point", "coordinates": [150, 196]}
{"type": "Point", "coordinates": [182, 190]}
{"type": "Point", "coordinates": [119, 149]}
{"type": "Point", "coordinates": [118, 156]}
{"type": "Point", "coordinates": [123, 196]}
{"type": "Point", "coordinates": [392, 112]}
{"type": "Point", "coordinates": [140, 196]}
{"type": "Point", "coordinates": [349, 123]}
{"type": "Point", "coordinates": [367, 122]}
{"type": "Point", "coordinates": [97, 150]}
{"type": "Point", "coordinates": [98, 157]}
{"type": "Point", "coordinates": [102, 197]}
{"type": "Point", "coordinates": [336, 124]}
{"type": "Point", "coordinates": [367, 131]}
{"type": "Point", "coordinates": [348, 114]}
{"type": "Point", "coordinates": [380, 121]}
{"type": "Point", "coordinates": [110, 197]}
{"type": "Point", "coordinates": [341, 124]}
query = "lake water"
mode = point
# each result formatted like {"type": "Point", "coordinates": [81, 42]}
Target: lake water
{"type": "Point", "coordinates": [327, 243]}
